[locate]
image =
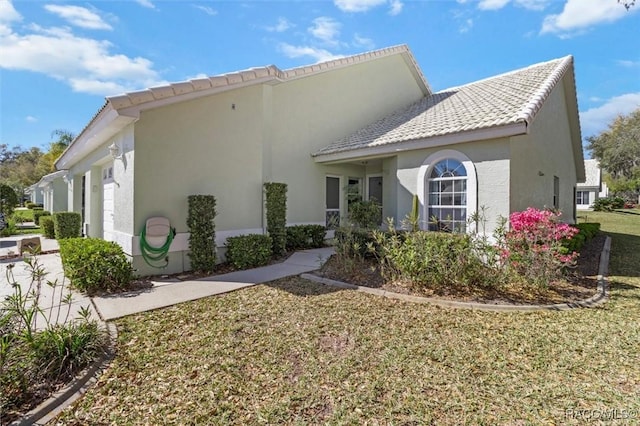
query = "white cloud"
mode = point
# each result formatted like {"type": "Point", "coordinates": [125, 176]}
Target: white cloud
{"type": "Point", "coordinates": [146, 3]}
{"type": "Point", "coordinates": [8, 13]}
{"type": "Point", "coordinates": [595, 120]}
{"type": "Point", "coordinates": [395, 7]}
{"type": "Point", "coordinates": [319, 55]}
{"type": "Point", "coordinates": [466, 26]}
{"type": "Point", "coordinates": [79, 16]}
{"type": "Point", "coordinates": [85, 64]}
{"type": "Point", "coordinates": [628, 64]}
{"type": "Point", "coordinates": [499, 4]}
{"type": "Point", "coordinates": [31, 119]}
{"type": "Point", "coordinates": [325, 29]}
{"type": "Point", "coordinates": [365, 42]}
{"type": "Point", "coordinates": [357, 5]}
{"type": "Point", "coordinates": [282, 26]}
{"type": "Point", "coordinates": [579, 15]}
{"type": "Point", "coordinates": [206, 9]}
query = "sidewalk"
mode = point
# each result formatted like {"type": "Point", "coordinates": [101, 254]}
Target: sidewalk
{"type": "Point", "coordinates": [167, 294]}
{"type": "Point", "coordinates": [9, 245]}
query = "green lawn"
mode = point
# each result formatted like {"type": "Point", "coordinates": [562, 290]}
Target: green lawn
{"type": "Point", "coordinates": [294, 352]}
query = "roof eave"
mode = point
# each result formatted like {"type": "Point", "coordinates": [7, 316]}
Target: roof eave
{"type": "Point", "coordinates": [508, 130]}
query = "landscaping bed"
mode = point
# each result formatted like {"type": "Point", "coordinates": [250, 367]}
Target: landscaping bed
{"type": "Point", "coordinates": [579, 284]}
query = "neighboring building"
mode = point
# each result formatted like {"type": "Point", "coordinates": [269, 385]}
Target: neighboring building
{"type": "Point", "coordinates": [53, 188]}
{"type": "Point", "coordinates": [35, 194]}
{"type": "Point", "coordinates": [592, 188]}
{"type": "Point", "coordinates": [366, 124]}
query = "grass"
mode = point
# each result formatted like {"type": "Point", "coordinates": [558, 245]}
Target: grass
{"type": "Point", "coordinates": [293, 352]}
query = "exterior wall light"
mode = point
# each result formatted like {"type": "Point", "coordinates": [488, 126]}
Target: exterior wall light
{"type": "Point", "coordinates": [114, 150]}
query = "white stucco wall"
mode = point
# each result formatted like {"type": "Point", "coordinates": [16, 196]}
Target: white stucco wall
{"type": "Point", "coordinates": [542, 154]}
{"type": "Point", "coordinates": [490, 159]}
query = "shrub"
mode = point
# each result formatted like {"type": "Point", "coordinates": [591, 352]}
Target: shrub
{"type": "Point", "coordinates": [37, 214]}
{"type": "Point", "coordinates": [8, 199]}
{"type": "Point", "coordinates": [10, 229]}
{"type": "Point", "coordinates": [276, 205]}
{"type": "Point", "coordinates": [427, 258]}
{"type": "Point", "coordinates": [301, 237]}
{"type": "Point", "coordinates": [67, 224]}
{"type": "Point", "coordinates": [608, 204]}
{"type": "Point", "coordinates": [95, 265]}
{"type": "Point", "coordinates": [48, 229]}
{"type": "Point", "coordinates": [533, 247]}
{"type": "Point", "coordinates": [202, 228]}
{"type": "Point", "coordinates": [354, 242]}
{"type": "Point", "coordinates": [586, 231]}
{"type": "Point", "coordinates": [249, 251]}
{"type": "Point", "coordinates": [365, 214]}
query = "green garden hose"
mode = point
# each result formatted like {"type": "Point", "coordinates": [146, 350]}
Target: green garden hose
{"type": "Point", "coordinates": [156, 254]}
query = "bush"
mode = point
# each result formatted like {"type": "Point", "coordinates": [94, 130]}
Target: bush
{"type": "Point", "coordinates": [67, 225]}
{"type": "Point", "coordinates": [608, 204]}
{"type": "Point", "coordinates": [8, 199]}
{"type": "Point", "coordinates": [301, 237]}
{"type": "Point", "coordinates": [427, 258]}
{"type": "Point", "coordinates": [95, 265]}
{"type": "Point", "coordinates": [354, 242]}
{"type": "Point", "coordinates": [202, 232]}
{"type": "Point", "coordinates": [586, 231]}
{"type": "Point", "coordinates": [37, 214]}
{"type": "Point", "coordinates": [276, 205]}
{"type": "Point", "coordinates": [533, 247]}
{"type": "Point", "coordinates": [10, 229]}
{"type": "Point", "coordinates": [30, 205]}
{"type": "Point", "coordinates": [365, 214]}
{"type": "Point", "coordinates": [48, 229]}
{"type": "Point", "coordinates": [249, 251]}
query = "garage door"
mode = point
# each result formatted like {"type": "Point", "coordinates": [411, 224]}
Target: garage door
{"type": "Point", "coordinates": [108, 193]}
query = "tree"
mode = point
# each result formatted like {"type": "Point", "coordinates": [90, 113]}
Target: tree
{"type": "Point", "coordinates": [46, 164]}
{"type": "Point", "coordinates": [627, 4]}
{"type": "Point", "coordinates": [618, 151]}
{"type": "Point", "coordinates": [8, 199]}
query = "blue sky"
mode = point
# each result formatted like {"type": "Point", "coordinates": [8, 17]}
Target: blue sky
{"type": "Point", "coordinates": [59, 59]}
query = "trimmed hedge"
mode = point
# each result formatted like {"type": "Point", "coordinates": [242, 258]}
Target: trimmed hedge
{"type": "Point", "coordinates": [67, 224]}
{"type": "Point", "coordinates": [301, 237]}
{"type": "Point", "coordinates": [47, 226]}
{"type": "Point", "coordinates": [608, 204]}
{"type": "Point", "coordinates": [93, 264]}
{"type": "Point", "coordinates": [38, 213]}
{"type": "Point", "coordinates": [587, 232]}
{"type": "Point", "coordinates": [249, 251]}
{"type": "Point", "coordinates": [276, 204]}
{"type": "Point", "coordinates": [202, 228]}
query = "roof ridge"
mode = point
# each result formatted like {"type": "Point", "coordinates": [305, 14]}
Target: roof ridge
{"type": "Point", "coordinates": [133, 98]}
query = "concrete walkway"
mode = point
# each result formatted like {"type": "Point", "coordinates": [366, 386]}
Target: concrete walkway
{"type": "Point", "coordinates": [167, 294]}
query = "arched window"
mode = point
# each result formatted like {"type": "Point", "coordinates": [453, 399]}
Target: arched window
{"type": "Point", "coordinates": [447, 200]}
{"type": "Point", "coordinates": [447, 190]}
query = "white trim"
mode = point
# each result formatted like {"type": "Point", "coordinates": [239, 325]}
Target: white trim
{"type": "Point", "coordinates": [472, 182]}
{"type": "Point", "coordinates": [431, 142]}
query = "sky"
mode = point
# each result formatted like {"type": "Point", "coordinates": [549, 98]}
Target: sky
{"type": "Point", "coordinates": [59, 59]}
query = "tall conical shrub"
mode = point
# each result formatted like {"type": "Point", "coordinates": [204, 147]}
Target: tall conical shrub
{"type": "Point", "coordinates": [276, 204]}
{"type": "Point", "coordinates": [202, 228]}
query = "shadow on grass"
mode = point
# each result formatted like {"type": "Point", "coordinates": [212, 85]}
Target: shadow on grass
{"type": "Point", "coordinates": [625, 255]}
{"type": "Point", "coordinates": [301, 287]}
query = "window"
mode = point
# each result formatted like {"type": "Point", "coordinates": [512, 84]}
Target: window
{"type": "Point", "coordinates": [556, 192]}
{"type": "Point", "coordinates": [332, 202]}
{"type": "Point", "coordinates": [447, 198]}
{"type": "Point", "coordinates": [354, 191]}
{"type": "Point", "coordinates": [582, 197]}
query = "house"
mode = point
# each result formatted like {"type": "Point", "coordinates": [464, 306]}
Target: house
{"type": "Point", "coordinates": [53, 191]}
{"type": "Point", "coordinates": [367, 124]}
{"type": "Point", "coordinates": [35, 194]}
{"type": "Point", "coordinates": [592, 188]}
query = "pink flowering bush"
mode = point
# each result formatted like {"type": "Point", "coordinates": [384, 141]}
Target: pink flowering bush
{"type": "Point", "coordinates": [533, 245]}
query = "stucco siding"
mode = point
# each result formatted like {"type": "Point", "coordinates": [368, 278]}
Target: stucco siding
{"type": "Point", "coordinates": [311, 112]}
{"type": "Point", "coordinates": [490, 160]}
{"type": "Point", "coordinates": [540, 156]}
{"type": "Point", "coordinates": [211, 146]}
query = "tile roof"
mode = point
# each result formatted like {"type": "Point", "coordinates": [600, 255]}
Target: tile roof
{"type": "Point", "coordinates": [255, 75]}
{"type": "Point", "coordinates": [510, 98]}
